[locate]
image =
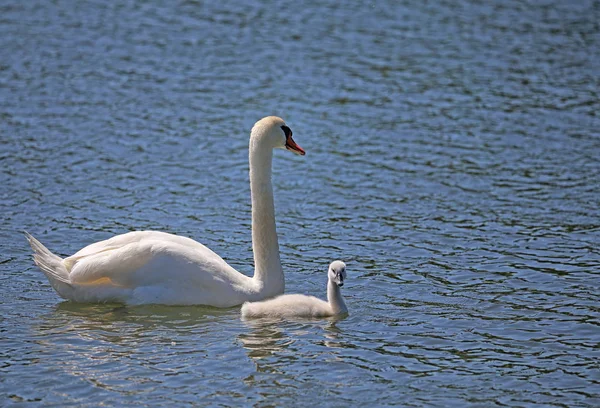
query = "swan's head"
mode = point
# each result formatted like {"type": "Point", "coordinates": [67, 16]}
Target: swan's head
{"type": "Point", "coordinates": [337, 272]}
{"type": "Point", "coordinates": [274, 133]}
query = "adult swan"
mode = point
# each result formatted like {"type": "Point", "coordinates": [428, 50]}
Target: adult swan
{"type": "Point", "coordinates": [144, 267]}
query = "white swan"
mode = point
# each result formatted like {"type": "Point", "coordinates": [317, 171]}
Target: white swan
{"type": "Point", "coordinates": [302, 305]}
{"type": "Point", "coordinates": [144, 267]}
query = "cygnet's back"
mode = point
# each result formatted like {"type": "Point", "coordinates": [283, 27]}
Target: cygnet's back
{"type": "Point", "coordinates": [302, 305]}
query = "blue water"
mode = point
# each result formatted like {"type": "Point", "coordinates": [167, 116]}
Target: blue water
{"type": "Point", "coordinates": [452, 163]}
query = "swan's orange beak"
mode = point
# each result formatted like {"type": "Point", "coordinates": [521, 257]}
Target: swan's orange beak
{"type": "Point", "coordinates": [293, 147]}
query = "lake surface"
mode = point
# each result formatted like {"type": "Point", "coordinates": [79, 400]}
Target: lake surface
{"type": "Point", "coordinates": [453, 162]}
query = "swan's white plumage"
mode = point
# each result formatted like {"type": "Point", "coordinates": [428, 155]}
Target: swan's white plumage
{"type": "Point", "coordinates": [294, 305]}
{"type": "Point", "coordinates": [155, 267]}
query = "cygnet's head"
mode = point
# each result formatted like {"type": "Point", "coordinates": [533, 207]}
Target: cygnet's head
{"type": "Point", "coordinates": [337, 272]}
{"type": "Point", "coordinates": [274, 133]}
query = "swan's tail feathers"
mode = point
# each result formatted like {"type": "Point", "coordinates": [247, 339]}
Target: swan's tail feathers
{"type": "Point", "coordinates": [52, 266]}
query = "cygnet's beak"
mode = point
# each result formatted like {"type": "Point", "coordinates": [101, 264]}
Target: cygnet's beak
{"type": "Point", "coordinates": [293, 147]}
{"type": "Point", "coordinates": [339, 279]}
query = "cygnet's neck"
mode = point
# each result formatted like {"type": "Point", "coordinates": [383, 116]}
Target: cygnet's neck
{"type": "Point", "coordinates": [335, 299]}
{"type": "Point", "coordinates": [267, 265]}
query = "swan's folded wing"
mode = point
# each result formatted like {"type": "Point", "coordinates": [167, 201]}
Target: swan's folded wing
{"type": "Point", "coordinates": [110, 244]}
{"type": "Point", "coordinates": [133, 237]}
{"type": "Point", "coordinates": [108, 265]}
{"type": "Point", "coordinates": [153, 263]}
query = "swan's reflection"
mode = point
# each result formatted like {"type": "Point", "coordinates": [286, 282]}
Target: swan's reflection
{"type": "Point", "coordinates": [271, 343]}
{"type": "Point", "coordinates": [123, 347]}
{"type": "Point", "coordinates": [110, 317]}
{"type": "Point", "coordinates": [333, 333]}
{"type": "Point", "coordinates": [103, 324]}
{"type": "Point", "coordinates": [265, 338]}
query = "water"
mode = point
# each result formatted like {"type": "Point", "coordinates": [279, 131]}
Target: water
{"type": "Point", "coordinates": [452, 162]}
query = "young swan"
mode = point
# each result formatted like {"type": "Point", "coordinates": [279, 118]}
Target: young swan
{"type": "Point", "coordinates": [302, 305]}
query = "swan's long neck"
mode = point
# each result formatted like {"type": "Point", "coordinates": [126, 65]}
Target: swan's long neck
{"type": "Point", "coordinates": [334, 296]}
{"type": "Point", "coordinates": [267, 272]}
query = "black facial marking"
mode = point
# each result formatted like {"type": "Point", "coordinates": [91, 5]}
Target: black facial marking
{"type": "Point", "coordinates": [287, 131]}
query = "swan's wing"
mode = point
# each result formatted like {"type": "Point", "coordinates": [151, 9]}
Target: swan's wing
{"type": "Point", "coordinates": [148, 262]}
{"type": "Point", "coordinates": [122, 240]}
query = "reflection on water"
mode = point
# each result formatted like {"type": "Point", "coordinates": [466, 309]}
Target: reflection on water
{"type": "Point", "coordinates": [452, 162]}
{"type": "Point", "coordinates": [266, 337]}
{"type": "Point", "coordinates": [264, 340]}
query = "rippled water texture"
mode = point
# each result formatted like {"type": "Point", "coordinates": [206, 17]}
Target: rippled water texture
{"type": "Point", "coordinates": [453, 161]}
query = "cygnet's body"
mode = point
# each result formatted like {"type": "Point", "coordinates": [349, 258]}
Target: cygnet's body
{"type": "Point", "coordinates": [302, 305]}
